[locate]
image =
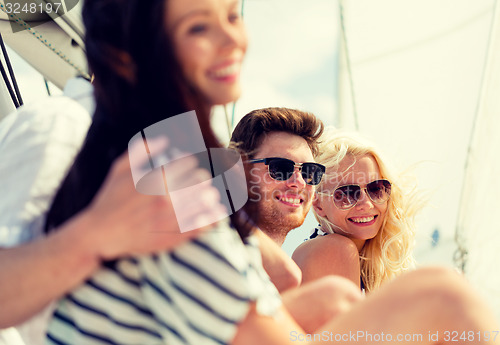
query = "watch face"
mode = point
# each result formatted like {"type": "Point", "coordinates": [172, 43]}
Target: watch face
{"type": "Point", "coordinates": [170, 169]}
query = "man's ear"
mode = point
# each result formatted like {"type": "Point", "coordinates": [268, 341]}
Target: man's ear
{"type": "Point", "coordinates": [318, 206]}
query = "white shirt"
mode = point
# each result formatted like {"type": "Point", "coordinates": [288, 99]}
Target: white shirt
{"type": "Point", "coordinates": [38, 143]}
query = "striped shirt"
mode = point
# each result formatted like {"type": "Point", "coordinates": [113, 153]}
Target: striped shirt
{"type": "Point", "coordinates": [196, 294]}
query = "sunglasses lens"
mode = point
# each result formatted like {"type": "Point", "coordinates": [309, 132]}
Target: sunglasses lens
{"type": "Point", "coordinates": [346, 197]}
{"type": "Point", "coordinates": [312, 173]}
{"type": "Point", "coordinates": [379, 191]}
{"type": "Point", "coordinates": [281, 169]}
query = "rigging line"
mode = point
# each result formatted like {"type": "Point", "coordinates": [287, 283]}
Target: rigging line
{"type": "Point", "coordinates": [460, 256]}
{"type": "Point", "coordinates": [348, 65]}
{"type": "Point", "coordinates": [8, 85]}
{"type": "Point", "coordinates": [228, 123]}
{"type": "Point", "coordinates": [232, 116]}
{"type": "Point", "coordinates": [13, 18]}
{"type": "Point", "coordinates": [47, 86]}
{"type": "Point", "coordinates": [231, 125]}
{"type": "Point", "coordinates": [65, 20]}
{"type": "Point", "coordinates": [11, 72]}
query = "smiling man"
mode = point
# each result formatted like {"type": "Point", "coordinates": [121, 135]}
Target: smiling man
{"type": "Point", "coordinates": [280, 143]}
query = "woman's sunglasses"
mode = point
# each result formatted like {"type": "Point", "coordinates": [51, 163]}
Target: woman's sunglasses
{"type": "Point", "coordinates": [281, 169]}
{"type": "Point", "coordinates": [346, 197]}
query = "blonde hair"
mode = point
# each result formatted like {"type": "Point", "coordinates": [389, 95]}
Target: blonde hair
{"type": "Point", "coordinates": [389, 253]}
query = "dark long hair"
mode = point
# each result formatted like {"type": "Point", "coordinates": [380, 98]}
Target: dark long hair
{"type": "Point", "coordinates": [138, 82]}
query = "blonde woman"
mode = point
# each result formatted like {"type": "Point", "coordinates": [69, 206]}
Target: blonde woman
{"type": "Point", "coordinates": [366, 219]}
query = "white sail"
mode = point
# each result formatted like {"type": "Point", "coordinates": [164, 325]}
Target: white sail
{"type": "Point", "coordinates": [477, 231]}
{"type": "Point", "coordinates": [415, 84]}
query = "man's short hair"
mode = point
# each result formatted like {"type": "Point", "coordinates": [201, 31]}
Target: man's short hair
{"type": "Point", "coordinates": [252, 128]}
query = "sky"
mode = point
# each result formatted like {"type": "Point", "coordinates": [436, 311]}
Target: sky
{"type": "Point", "coordinates": [416, 78]}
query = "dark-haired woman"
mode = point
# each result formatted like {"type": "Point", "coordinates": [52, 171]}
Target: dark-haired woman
{"type": "Point", "coordinates": [153, 60]}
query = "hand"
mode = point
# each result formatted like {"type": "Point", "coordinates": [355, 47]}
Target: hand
{"type": "Point", "coordinates": [122, 221]}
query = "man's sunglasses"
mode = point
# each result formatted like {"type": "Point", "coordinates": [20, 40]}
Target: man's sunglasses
{"type": "Point", "coordinates": [281, 169]}
{"type": "Point", "coordinates": [346, 197]}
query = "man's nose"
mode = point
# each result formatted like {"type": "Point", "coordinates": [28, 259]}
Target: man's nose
{"type": "Point", "coordinates": [296, 180]}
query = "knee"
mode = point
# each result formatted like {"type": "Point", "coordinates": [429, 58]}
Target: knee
{"type": "Point", "coordinates": [440, 287]}
{"type": "Point", "coordinates": [340, 293]}
{"type": "Point", "coordinates": [335, 288]}
{"type": "Point", "coordinates": [326, 297]}
{"type": "Point", "coordinates": [436, 278]}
